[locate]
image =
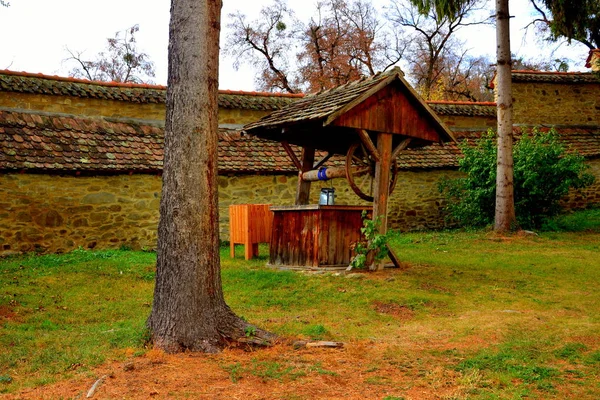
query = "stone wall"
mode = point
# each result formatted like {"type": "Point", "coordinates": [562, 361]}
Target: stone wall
{"type": "Point", "coordinates": [556, 103]}
{"type": "Point", "coordinates": [61, 213]}
{"type": "Point", "coordinates": [462, 122]}
{"type": "Point", "coordinates": [49, 213]}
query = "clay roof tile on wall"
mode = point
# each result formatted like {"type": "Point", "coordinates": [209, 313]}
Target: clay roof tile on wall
{"type": "Point", "coordinates": [481, 109]}
{"type": "Point", "coordinates": [553, 77]}
{"type": "Point", "coordinates": [59, 143]}
{"type": "Point", "coordinates": [22, 82]}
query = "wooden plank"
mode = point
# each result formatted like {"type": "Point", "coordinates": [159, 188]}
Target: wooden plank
{"type": "Point", "coordinates": [360, 99]}
{"type": "Point", "coordinates": [390, 110]}
{"type": "Point", "coordinates": [249, 224]}
{"type": "Point", "coordinates": [314, 237]}
{"type": "Point", "coordinates": [303, 188]}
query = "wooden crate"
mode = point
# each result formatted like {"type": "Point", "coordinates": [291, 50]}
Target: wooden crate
{"type": "Point", "coordinates": [315, 236]}
{"type": "Point", "coordinates": [249, 224]}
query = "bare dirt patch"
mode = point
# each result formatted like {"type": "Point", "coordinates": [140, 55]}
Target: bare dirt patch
{"type": "Point", "coordinates": [7, 313]}
{"type": "Point", "coordinates": [359, 370]}
{"type": "Point", "coordinates": [396, 310]}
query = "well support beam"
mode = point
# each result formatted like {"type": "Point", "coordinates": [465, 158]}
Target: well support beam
{"type": "Point", "coordinates": [401, 146]}
{"type": "Point", "coordinates": [303, 188]}
{"type": "Point", "coordinates": [366, 141]}
{"type": "Point", "coordinates": [381, 188]}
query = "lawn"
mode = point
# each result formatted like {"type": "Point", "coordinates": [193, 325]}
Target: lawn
{"type": "Point", "coordinates": [469, 315]}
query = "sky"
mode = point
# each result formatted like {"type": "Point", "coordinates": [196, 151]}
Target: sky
{"type": "Point", "coordinates": [35, 34]}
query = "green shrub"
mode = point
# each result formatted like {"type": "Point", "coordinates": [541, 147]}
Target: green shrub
{"type": "Point", "coordinates": [544, 171]}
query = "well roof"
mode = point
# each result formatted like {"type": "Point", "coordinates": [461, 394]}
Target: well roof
{"type": "Point", "coordinates": [323, 108]}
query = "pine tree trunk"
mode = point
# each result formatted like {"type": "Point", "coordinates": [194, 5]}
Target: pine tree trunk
{"type": "Point", "coordinates": [505, 204]}
{"type": "Point", "coordinates": [189, 311]}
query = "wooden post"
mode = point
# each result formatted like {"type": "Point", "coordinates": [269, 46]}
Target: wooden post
{"type": "Point", "coordinates": [303, 188]}
{"type": "Point", "coordinates": [381, 188]}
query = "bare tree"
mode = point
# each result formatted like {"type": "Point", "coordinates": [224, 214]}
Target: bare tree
{"type": "Point", "coordinates": [343, 42]}
{"type": "Point", "coordinates": [189, 311]}
{"type": "Point", "coordinates": [465, 78]}
{"type": "Point", "coordinates": [433, 42]}
{"type": "Point", "coordinates": [346, 41]}
{"type": "Point", "coordinates": [120, 62]}
{"type": "Point", "coordinates": [266, 44]}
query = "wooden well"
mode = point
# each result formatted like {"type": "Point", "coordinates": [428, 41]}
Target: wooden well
{"type": "Point", "coordinates": [369, 122]}
{"type": "Point", "coordinates": [314, 236]}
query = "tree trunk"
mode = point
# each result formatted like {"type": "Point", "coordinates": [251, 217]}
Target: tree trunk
{"type": "Point", "coordinates": [505, 204]}
{"type": "Point", "coordinates": [189, 311]}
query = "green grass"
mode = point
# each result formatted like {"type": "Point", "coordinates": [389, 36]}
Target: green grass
{"type": "Point", "coordinates": [70, 312]}
{"type": "Point", "coordinates": [586, 220]}
{"type": "Point", "coordinates": [509, 317]}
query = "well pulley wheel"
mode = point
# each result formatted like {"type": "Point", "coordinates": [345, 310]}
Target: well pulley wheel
{"type": "Point", "coordinates": [360, 171]}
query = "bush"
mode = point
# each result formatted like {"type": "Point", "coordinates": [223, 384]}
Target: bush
{"type": "Point", "coordinates": [543, 173]}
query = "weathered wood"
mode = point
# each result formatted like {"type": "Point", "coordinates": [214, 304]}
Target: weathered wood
{"type": "Point", "coordinates": [352, 104]}
{"type": "Point", "coordinates": [292, 155]}
{"type": "Point", "coordinates": [249, 224]}
{"type": "Point", "coordinates": [314, 236]}
{"type": "Point", "coordinates": [393, 257]}
{"type": "Point", "coordinates": [382, 182]}
{"type": "Point", "coordinates": [299, 344]}
{"type": "Point", "coordinates": [390, 110]}
{"type": "Point", "coordinates": [329, 173]}
{"type": "Point", "coordinates": [366, 140]}
{"type": "Point", "coordinates": [303, 188]}
{"type": "Point", "coordinates": [401, 146]}
{"type": "Point", "coordinates": [358, 164]}
{"type": "Point", "coordinates": [323, 343]}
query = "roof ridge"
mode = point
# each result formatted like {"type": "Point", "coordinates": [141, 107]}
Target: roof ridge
{"type": "Point", "coordinates": [362, 79]}
{"type": "Point", "coordinates": [262, 94]}
{"type": "Point", "coordinates": [136, 85]}
{"type": "Point", "coordinates": [82, 81]}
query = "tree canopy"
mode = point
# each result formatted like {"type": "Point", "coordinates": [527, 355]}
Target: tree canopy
{"type": "Point", "coordinates": [577, 20]}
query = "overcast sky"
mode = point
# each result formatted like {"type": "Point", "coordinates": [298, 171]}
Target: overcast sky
{"type": "Point", "coordinates": [35, 33]}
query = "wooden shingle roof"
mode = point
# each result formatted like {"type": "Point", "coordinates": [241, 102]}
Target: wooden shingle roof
{"type": "Point", "coordinates": [381, 103]}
